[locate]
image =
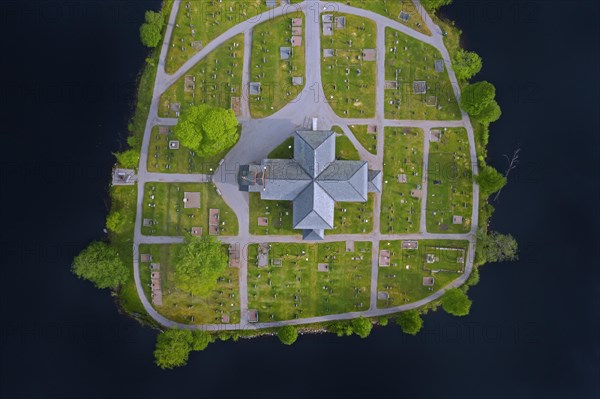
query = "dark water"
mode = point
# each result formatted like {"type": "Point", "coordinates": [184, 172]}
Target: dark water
{"type": "Point", "coordinates": [69, 72]}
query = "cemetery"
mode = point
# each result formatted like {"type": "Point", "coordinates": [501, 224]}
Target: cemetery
{"type": "Point", "coordinates": [174, 209]}
{"type": "Point", "coordinates": [305, 280]}
{"type": "Point", "coordinates": [402, 173]}
{"type": "Point", "coordinates": [412, 273]}
{"type": "Point", "coordinates": [450, 183]}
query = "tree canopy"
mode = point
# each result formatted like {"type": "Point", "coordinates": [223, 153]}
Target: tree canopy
{"type": "Point", "coordinates": [490, 180]}
{"type": "Point", "coordinates": [475, 97]}
{"type": "Point", "coordinates": [115, 221]}
{"type": "Point", "coordinates": [128, 159]}
{"type": "Point", "coordinates": [340, 328]}
{"type": "Point", "coordinates": [456, 302]}
{"type": "Point", "coordinates": [466, 64]}
{"type": "Point", "coordinates": [207, 130]}
{"type": "Point", "coordinates": [199, 263]}
{"type": "Point", "coordinates": [410, 321]}
{"type": "Point", "coordinates": [173, 348]}
{"type": "Point", "coordinates": [288, 334]}
{"type": "Point", "coordinates": [200, 340]}
{"type": "Point", "coordinates": [433, 5]}
{"type": "Point", "coordinates": [151, 30]}
{"type": "Point", "coordinates": [100, 264]}
{"type": "Point", "coordinates": [496, 247]}
{"type": "Point", "coordinates": [362, 327]}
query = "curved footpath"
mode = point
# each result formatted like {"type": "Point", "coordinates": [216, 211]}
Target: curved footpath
{"type": "Point", "coordinates": [260, 136]}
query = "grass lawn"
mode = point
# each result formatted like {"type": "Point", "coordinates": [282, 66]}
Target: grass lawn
{"type": "Point", "coordinates": [405, 285]}
{"type": "Point", "coordinates": [279, 213]}
{"type": "Point", "coordinates": [172, 219]}
{"type": "Point", "coordinates": [367, 140]}
{"type": "Point", "coordinates": [348, 81]}
{"type": "Point", "coordinates": [164, 160]}
{"type": "Point", "coordinates": [213, 81]}
{"type": "Point", "coordinates": [353, 217]}
{"type": "Point", "coordinates": [392, 10]}
{"type": "Point", "coordinates": [183, 307]}
{"type": "Point", "coordinates": [203, 21]}
{"type": "Point", "coordinates": [450, 183]}
{"type": "Point", "coordinates": [273, 73]}
{"type": "Point", "coordinates": [403, 155]}
{"type": "Point", "coordinates": [297, 289]}
{"type": "Point", "coordinates": [409, 60]}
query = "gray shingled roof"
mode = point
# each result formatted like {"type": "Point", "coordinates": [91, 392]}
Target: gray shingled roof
{"type": "Point", "coordinates": [314, 181]}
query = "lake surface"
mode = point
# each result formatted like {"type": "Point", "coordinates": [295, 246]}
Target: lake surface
{"type": "Point", "coordinates": [69, 72]}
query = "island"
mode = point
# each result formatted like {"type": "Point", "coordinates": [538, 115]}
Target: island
{"type": "Point", "coordinates": [297, 167]}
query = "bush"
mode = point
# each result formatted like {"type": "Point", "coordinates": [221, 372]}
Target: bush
{"type": "Point", "coordinates": [287, 335]}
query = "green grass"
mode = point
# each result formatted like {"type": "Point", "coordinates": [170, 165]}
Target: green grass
{"type": "Point", "coordinates": [297, 281]}
{"type": "Point", "coordinates": [180, 306]}
{"type": "Point", "coordinates": [403, 154]}
{"type": "Point", "coordinates": [164, 160]}
{"type": "Point", "coordinates": [274, 74]}
{"type": "Point", "coordinates": [367, 140]}
{"type": "Point", "coordinates": [450, 166]}
{"type": "Point", "coordinates": [210, 20]}
{"type": "Point", "coordinates": [174, 220]}
{"type": "Point", "coordinates": [353, 217]}
{"type": "Point", "coordinates": [218, 78]}
{"type": "Point", "coordinates": [416, 63]}
{"type": "Point", "coordinates": [392, 9]}
{"type": "Point", "coordinates": [279, 213]}
{"type": "Point", "coordinates": [406, 285]}
{"type": "Point", "coordinates": [342, 84]}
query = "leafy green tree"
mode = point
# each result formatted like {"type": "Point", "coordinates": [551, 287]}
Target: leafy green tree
{"type": "Point", "coordinates": [433, 5]}
{"type": "Point", "coordinates": [383, 321]}
{"type": "Point", "coordinates": [476, 97]}
{"type": "Point", "coordinates": [456, 302]}
{"type": "Point", "coordinates": [496, 247]}
{"type": "Point", "coordinates": [173, 348]}
{"type": "Point", "coordinates": [362, 327]}
{"type": "Point", "coordinates": [200, 340]}
{"type": "Point", "coordinates": [473, 277]}
{"type": "Point", "coordinates": [151, 30]}
{"type": "Point", "coordinates": [288, 334]}
{"type": "Point", "coordinates": [128, 159]}
{"type": "Point", "coordinates": [410, 321]}
{"type": "Point", "coordinates": [154, 18]}
{"type": "Point", "coordinates": [490, 180]}
{"type": "Point", "coordinates": [150, 35]}
{"type": "Point", "coordinates": [340, 328]}
{"type": "Point", "coordinates": [207, 130]}
{"type": "Point", "coordinates": [115, 221]}
{"type": "Point", "coordinates": [133, 141]}
{"type": "Point", "coordinates": [100, 264]}
{"type": "Point", "coordinates": [198, 265]}
{"type": "Point", "coordinates": [466, 64]}
{"type": "Point", "coordinates": [490, 113]}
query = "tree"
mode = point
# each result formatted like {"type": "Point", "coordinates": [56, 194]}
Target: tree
{"type": "Point", "coordinates": [173, 348]}
{"type": "Point", "coordinates": [198, 265]}
{"type": "Point", "coordinates": [410, 321]}
{"type": "Point", "coordinates": [115, 221]}
{"type": "Point", "coordinates": [433, 5]}
{"type": "Point", "coordinates": [496, 247]}
{"type": "Point", "coordinates": [490, 180]}
{"type": "Point", "coordinates": [466, 64]}
{"type": "Point", "coordinates": [473, 277]}
{"type": "Point", "coordinates": [362, 327]}
{"type": "Point", "coordinates": [151, 30]}
{"type": "Point", "coordinates": [490, 113]}
{"type": "Point", "coordinates": [200, 340]}
{"type": "Point", "coordinates": [340, 328]}
{"type": "Point", "coordinates": [456, 302]}
{"type": "Point", "coordinates": [383, 321]}
{"type": "Point", "coordinates": [128, 159]}
{"type": "Point", "coordinates": [287, 335]}
{"type": "Point", "coordinates": [100, 264]}
{"type": "Point", "coordinates": [150, 35]}
{"type": "Point", "coordinates": [475, 97]}
{"type": "Point", "coordinates": [207, 130]}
